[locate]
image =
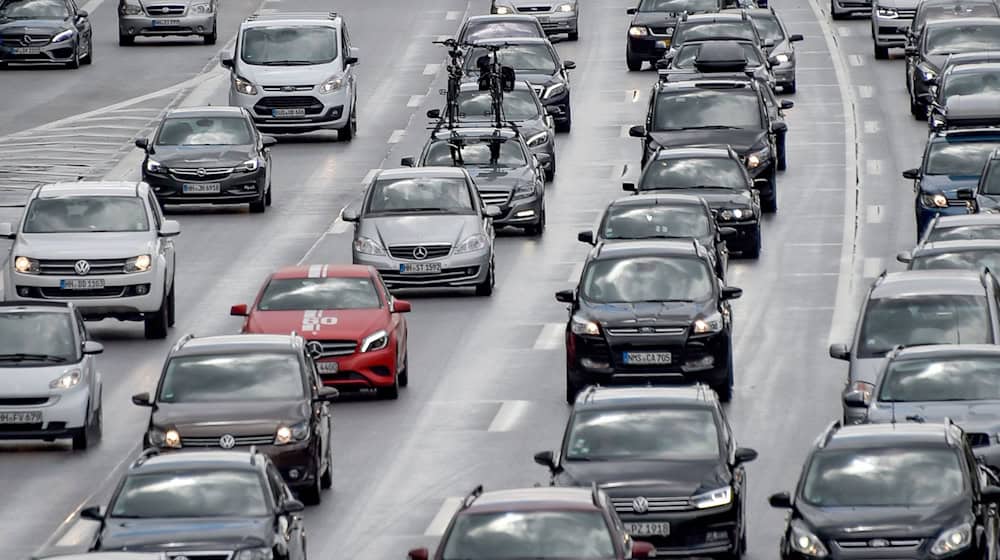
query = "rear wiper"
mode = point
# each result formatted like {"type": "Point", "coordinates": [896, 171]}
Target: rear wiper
{"type": "Point", "coordinates": [20, 357]}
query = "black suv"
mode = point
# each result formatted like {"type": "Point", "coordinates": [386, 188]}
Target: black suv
{"type": "Point", "coordinates": [207, 504]}
{"type": "Point", "coordinates": [669, 461]}
{"type": "Point", "coordinates": [903, 490]}
{"type": "Point", "coordinates": [652, 27]}
{"type": "Point", "coordinates": [246, 390]}
{"type": "Point", "coordinates": [649, 311]}
{"type": "Point", "coordinates": [733, 24]}
{"type": "Point", "coordinates": [716, 175]}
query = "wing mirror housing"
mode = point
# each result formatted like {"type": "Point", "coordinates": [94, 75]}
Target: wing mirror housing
{"type": "Point", "coordinates": [142, 399]}
{"type": "Point", "coordinates": [911, 174]}
{"type": "Point", "coordinates": [630, 11]}
{"type": "Point", "coordinates": [544, 159]}
{"type": "Point", "coordinates": [434, 114]}
{"type": "Point", "coordinates": [268, 141]}
{"type": "Point", "coordinates": [170, 228]}
{"type": "Point", "coordinates": [787, 104]}
{"type": "Point", "coordinates": [93, 513]}
{"type": "Point", "coordinates": [226, 62]}
{"type": "Point", "coordinates": [292, 505]}
{"type": "Point", "coordinates": [407, 161]}
{"type": "Point", "coordinates": [904, 257]}
{"type": "Point", "coordinates": [779, 127]}
{"type": "Point", "coordinates": [492, 211]}
{"type": "Point", "coordinates": [795, 38]}
{"type": "Point", "coordinates": [991, 493]}
{"type": "Point", "coordinates": [585, 237]}
{"type": "Point", "coordinates": [569, 65]}
{"type": "Point", "coordinates": [350, 215]}
{"type": "Point", "coordinates": [965, 194]}
{"type": "Point", "coordinates": [401, 306]}
{"type": "Point", "coordinates": [327, 393]}
{"type": "Point", "coordinates": [744, 455]}
{"type": "Point", "coordinates": [726, 232]}
{"type": "Point", "coordinates": [731, 292]}
{"type": "Point", "coordinates": [239, 310]}
{"type": "Point", "coordinates": [547, 459]}
{"type": "Point", "coordinates": [637, 131]}
{"type": "Point", "coordinates": [781, 500]}
{"type": "Point", "coordinates": [418, 554]}
{"type": "Point", "coordinates": [565, 296]}
{"type": "Point", "coordinates": [629, 187]}
{"type": "Point", "coordinates": [840, 352]}
{"type": "Point", "coordinates": [856, 399]}
{"type": "Point", "coordinates": [142, 144]}
{"type": "Point", "coordinates": [92, 347]}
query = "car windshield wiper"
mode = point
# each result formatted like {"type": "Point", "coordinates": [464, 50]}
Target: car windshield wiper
{"type": "Point", "coordinates": [428, 209]}
{"type": "Point", "coordinates": [22, 357]}
{"type": "Point", "coordinates": [702, 127]}
{"type": "Point", "coordinates": [661, 301]}
{"type": "Point", "coordinates": [288, 63]}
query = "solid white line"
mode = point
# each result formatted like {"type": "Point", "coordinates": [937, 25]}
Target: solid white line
{"type": "Point", "coordinates": [866, 91]}
{"type": "Point", "coordinates": [397, 136]}
{"type": "Point", "coordinates": [872, 267]}
{"type": "Point", "coordinates": [508, 415]}
{"type": "Point", "coordinates": [452, 15]}
{"type": "Point", "coordinates": [551, 337]}
{"type": "Point", "coordinates": [443, 517]}
{"type": "Point", "coordinates": [874, 166]}
{"type": "Point", "coordinates": [431, 69]}
{"type": "Point", "coordinates": [875, 214]}
{"type": "Point", "coordinates": [872, 127]}
{"type": "Point", "coordinates": [415, 100]}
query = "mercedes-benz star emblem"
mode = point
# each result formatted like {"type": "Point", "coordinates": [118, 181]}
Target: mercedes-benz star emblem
{"type": "Point", "coordinates": [227, 442]}
{"type": "Point", "coordinates": [82, 267]}
{"type": "Point", "coordinates": [420, 252]}
{"type": "Point", "coordinates": [315, 348]}
{"type": "Point", "coordinates": [26, 40]}
{"type": "Point", "coordinates": [640, 505]}
{"type": "Point", "coordinates": [201, 172]}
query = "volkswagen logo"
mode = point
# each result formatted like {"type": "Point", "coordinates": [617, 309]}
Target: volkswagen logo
{"type": "Point", "coordinates": [878, 543]}
{"type": "Point", "coordinates": [201, 172]}
{"type": "Point", "coordinates": [82, 267]}
{"type": "Point", "coordinates": [315, 348]}
{"type": "Point", "coordinates": [420, 252]}
{"type": "Point", "coordinates": [640, 505]}
{"type": "Point", "coordinates": [227, 442]}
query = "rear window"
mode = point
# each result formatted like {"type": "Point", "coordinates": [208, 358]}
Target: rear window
{"type": "Point", "coordinates": [286, 45]}
{"type": "Point", "coordinates": [923, 319]}
{"type": "Point", "coordinates": [715, 30]}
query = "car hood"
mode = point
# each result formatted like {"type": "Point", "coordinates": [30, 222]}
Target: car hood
{"type": "Point", "coordinates": [884, 522]}
{"type": "Point", "coordinates": [310, 75]}
{"type": "Point", "coordinates": [338, 324]}
{"type": "Point", "coordinates": [34, 26]}
{"type": "Point", "coordinates": [646, 478]}
{"type": "Point", "coordinates": [972, 416]}
{"type": "Point", "coordinates": [866, 369]}
{"type": "Point", "coordinates": [411, 230]}
{"type": "Point", "coordinates": [742, 140]}
{"type": "Point", "coordinates": [947, 184]}
{"type": "Point", "coordinates": [539, 79]}
{"type": "Point", "coordinates": [32, 381]}
{"type": "Point", "coordinates": [492, 177]}
{"type": "Point", "coordinates": [205, 419]}
{"type": "Point", "coordinates": [665, 19]}
{"type": "Point", "coordinates": [84, 245]}
{"type": "Point", "coordinates": [202, 156]}
{"type": "Point", "coordinates": [631, 314]}
{"type": "Point", "coordinates": [186, 534]}
{"type": "Point", "coordinates": [716, 198]}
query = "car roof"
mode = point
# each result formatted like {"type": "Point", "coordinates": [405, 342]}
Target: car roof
{"type": "Point", "coordinates": [475, 132]}
{"type": "Point", "coordinates": [206, 111]}
{"type": "Point", "coordinates": [234, 343]}
{"type": "Point", "coordinates": [54, 306]}
{"type": "Point", "coordinates": [603, 398]}
{"type": "Point", "coordinates": [947, 22]}
{"type": "Point", "coordinates": [513, 40]}
{"type": "Point", "coordinates": [323, 271]}
{"type": "Point", "coordinates": [416, 172]}
{"type": "Point", "coordinates": [654, 199]}
{"type": "Point", "coordinates": [502, 17]}
{"type": "Point", "coordinates": [736, 15]}
{"type": "Point", "coordinates": [712, 41]}
{"type": "Point", "coordinates": [899, 434]}
{"type": "Point", "coordinates": [266, 17]}
{"type": "Point", "coordinates": [533, 498]}
{"type": "Point", "coordinates": [194, 460]}
{"type": "Point", "coordinates": [954, 245]}
{"type": "Point", "coordinates": [688, 152]}
{"type": "Point", "coordinates": [651, 248]}
{"type": "Point", "coordinates": [949, 351]}
{"type": "Point", "coordinates": [89, 188]}
{"type": "Point", "coordinates": [928, 282]}
{"type": "Point", "coordinates": [474, 85]}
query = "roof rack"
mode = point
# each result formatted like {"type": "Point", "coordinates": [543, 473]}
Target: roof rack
{"type": "Point", "coordinates": [595, 494]}
{"type": "Point", "coordinates": [471, 496]}
{"type": "Point", "coordinates": [144, 456]}
{"type": "Point", "coordinates": [292, 15]}
{"type": "Point", "coordinates": [827, 435]}
{"type": "Point", "coordinates": [181, 342]}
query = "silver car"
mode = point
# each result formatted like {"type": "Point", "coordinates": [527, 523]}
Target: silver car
{"type": "Point", "coordinates": [556, 16]}
{"type": "Point", "coordinates": [890, 22]}
{"type": "Point", "coordinates": [49, 384]}
{"type": "Point", "coordinates": [425, 227]}
{"type": "Point", "coordinates": [161, 18]}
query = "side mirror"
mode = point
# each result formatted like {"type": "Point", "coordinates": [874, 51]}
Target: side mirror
{"type": "Point", "coordinates": [664, 63]}
{"type": "Point", "coordinates": [904, 257]}
{"type": "Point", "coordinates": [239, 310]}
{"type": "Point", "coordinates": [492, 211]}
{"type": "Point", "coordinates": [401, 306]}
{"type": "Point", "coordinates": [268, 141]}
{"type": "Point", "coordinates": [350, 60]}
{"type": "Point", "coordinates": [630, 11]}
{"type": "Point", "coordinates": [544, 159]}
{"type": "Point", "coordinates": [728, 232]}
{"type": "Point", "coordinates": [911, 174]}
{"type": "Point", "coordinates": [327, 393]}
{"type": "Point", "coordinates": [857, 399]}
{"type": "Point", "coordinates": [642, 549]}
{"type": "Point", "coordinates": [142, 399]}
{"type": "Point", "coordinates": [227, 62]}
{"type": "Point", "coordinates": [293, 505]}
{"type": "Point", "coordinates": [92, 513]}
{"type": "Point", "coordinates": [407, 161]}
{"type": "Point", "coordinates": [730, 292]}
{"type": "Point", "coordinates": [565, 296]}
{"type": "Point", "coordinates": [418, 554]}
{"type": "Point", "coordinates": [990, 493]}
{"type": "Point", "coordinates": [170, 228]}
{"type": "Point", "coordinates": [780, 500]}
{"type": "Point", "coordinates": [142, 144]}
{"type": "Point", "coordinates": [779, 127]}
{"type": "Point", "coordinates": [434, 114]}
{"type": "Point", "coordinates": [7, 231]}
{"type": "Point", "coordinates": [760, 183]}
{"type": "Point", "coordinates": [569, 65]}
{"type": "Point", "coordinates": [546, 459]}
{"type": "Point", "coordinates": [744, 455]}
{"type": "Point", "coordinates": [795, 38]}
{"type": "Point", "coordinates": [350, 215]}
{"type": "Point", "coordinates": [965, 194]}
{"type": "Point", "coordinates": [92, 347]}
{"type": "Point", "coordinates": [83, 14]}
{"type": "Point", "coordinates": [585, 237]}
{"type": "Point", "coordinates": [629, 187]}
{"type": "Point", "coordinates": [840, 352]}
{"type": "Point", "coordinates": [911, 51]}
{"type": "Point", "coordinates": [786, 104]}
{"type": "Point", "coordinates": [637, 131]}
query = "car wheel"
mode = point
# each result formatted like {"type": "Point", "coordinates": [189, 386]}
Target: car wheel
{"type": "Point", "coordinates": [326, 481]}
{"type": "Point", "coordinates": [917, 109]}
{"type": "Point", "coordinates": [574, 35]}
{"type": "Point", "coordinates": [125, 40]}
{"type": "Point", "coordinates": [573, 386]}
{"type": "Point", "coordinates": [881, 53]}
{"type": "Point", "coordinates": [634, 63]}
{"type": "Point", "coordinates": [782, 162]}
{"type": "Point", "coordinates": [91, 431]}
{"type": "Point", "coordinates": [769, 205]}
{"type": "Point", "coordinates": [725, 389]}
{"type": "Point", "coordinates": [752, 248]}
{"type": "Point", "coordinates": [486, 288]}
{"type": "Point", "coordinates": [833, 11]}
{"type": "Point", "coordinates": [156, 323]}
{"type": "Point", "coordinates": [404, 372]}
{"type": "Point", "coordinates": [89, 59]}
{"type": "Point", "coordinates": [259, 206]}
{"type": "Point", "coordinates": [171, 306]}
{"type": "Point", "coordinates": [564, 126]}
{"type": "Point", "coordinates": [212, 37]}
{"type": "Point", "coordinates": [790, 87]}
{"type": "Point", "coordinates": [75, 63]}
{"type": "Point", "coordinates": [312, 495]}
{"type": "Point", "coordinates": [550, 173]}
{"type": "Point", "coordinates": [539, 228]}
{"type": "Point", "coordinates": [267, 195]}
{"type": "Point", "coordinates": [391, 392]}
{"type": "Point", "coordinates": [346, 134]}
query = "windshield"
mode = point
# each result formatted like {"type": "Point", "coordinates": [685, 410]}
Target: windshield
{"type": "Point", "coordinates": [480, 30]}
{"type": "Point", "coordinates": [90, 214]}
{"type": "Point", "coordinates": [36, 338]}
{"type": "Point", "coordinates": [472, 152]}
{"type": "Point", "coordinates": [923, 319]}
{"type": "Point", "coordinates": [951, 39]}
{"type": "Point", "coordinates": [950, 10]}
{"type": "Point", "coordinates": [967, 260]}
{"type": "Point", "coordinates": [535, 534]}
{"type": "Point", "coordinates": [685, 173]}
{"type": "Point", "coordinates": [204, 131]}
{"type": "Point", "coordinates": [642, 222]}
{"type": "Point", "coordinates": [958, 158]}
{"type": "Point", "coordinates": [943, 233]}
{"type": "Point", "coordinates": [707, 108]}
{"type": "Point", "coordinates": [535, 58]}
{"type": "Point", "coordinates": [971, 82]}
{"type": "Point", "coordinates": [883, 477]}
{"type": "Point", "coordinates": [421, 194]}
{"type": "Point", "coordinates": [191, 494]}
{"type": "Point", "coordinates": [715, 30]}
{"type": "Point", "coordinates": [991, 183]}
{"type": "Point", "coordinates": [289, 46]}
{"type": "Point", "coordinates": [636, 434]}
{"type": "Point", "coordinates": [286, 294]}
{"type": "Point", "coordinates": [688, 53]}
{"type": "Point", "coordinates": [647, 279]}
{"type": "Point", "coordinates": [518, 105]}
{"type": "Point", "coordinates": [768, 28]}
{"type": "Point", "coordinates": [953, 379]}
{"type": "Point", "coordinates": [679, 6]}
{"type": "Point", "coordinates": [247, 376]}
{"type": "Point", "coordinates": [33, 9]}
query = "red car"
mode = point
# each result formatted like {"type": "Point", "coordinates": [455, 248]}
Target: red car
{"type": "Point", "coordinates": [355, 329]}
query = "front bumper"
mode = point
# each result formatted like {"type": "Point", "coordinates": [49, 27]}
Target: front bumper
{"type": "Point", "coordinates": [367, 370]}
{"type": "Point", "coordinates": [747, 232]}
{"type": "Point", "coordinates": [692, 533]}
{"type": "Point", "coordinates": [852, 6]}
{"type": "Point", "coordinates": [149, 26]}
{"type": "Point", "coordinates": [297, 462]}
{"type": "Point", "coordinates": [234, 188]}
{"type": "Point", "coordinates": [555, 23]}
{"type": "Point", "coordinates": [322, 111]}
{"type": "Point", "coordinates": [521, 212]}
{"type": "Point", "coordinates": [922, 552]}
{"type": "Point", "coordinates": [890, 32]}
{"type": "Point", "coordinates": [62, 413]}
{"type": "Point", "coordinates": [784, 73]}
{"type": "Point", "coordinates": [121, 297]}
{"type": "Point", "coordinates": [649, 48]}
{"type": "Point", "coordinates": [464, 270]}
{"type": "Point", "coordinates": [54, 53]}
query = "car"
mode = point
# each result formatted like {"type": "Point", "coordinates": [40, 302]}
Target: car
{"type": "Point", "coordinates": [960, 254]}
{"type": "Point", "coordinates": [208, 155]}
{"type": "Point", "coordinates": [890, 21]}
{"type": "Point", "coordinates": [541, 523]}
{"type": "Point", "coordinates": [477, 28]}
{"type": "Point", "coordinates": [246, 390]}
{"type": "Point", "coordinates": [45, 31]}
{"type": "Point", "coordinates": [161, 19]}
{"type": "Point", "coordinates": [719, 177]}
{"type": "Point", "coordinates": [668, 460]}
{"type": "Point", "coordinates": [649, 312]}
{"type": "Point", "coordinates": [506, 173]}
{"type": "Point", "coordinates": [734, 24]}
{"type": "Point", "coordinates": [917, 307]}
{"type": "Point", "coordinates": [962, 227]}
{"type": "Point", "coordinates": [952, 162]}
{"type": "Point", "coordinates": [844, 9]}
{"type": "Point", "coordinates": [722, 111]}
{"type": "Point", "coordinates": [111, 556]}
{"type": "Point", "coordinates": [975, 75]}
{"type": "Point", "coordinates": [354, 328]}
{"type": "Point", "coordinates": [986, 197]}
{"type": "Point", "coordinates": [781, 53]}
{"type": "Point", "coordinates": [663, 216]}
{"type": "Point", "coordinates": [711, 56]}
{"type": "Point", "coordinates": [933, 10]}
{"type": "Point", "coordinates": [537, 62]}
{"type": "Point", "coordinates": [521, 106]}
{"type": "Point", "coordinates": [555, 16]}
{"type": "Point", "coordinates": [50, 385]}
{"type": "Point", "coordinates": [202, 504]}
{"type": "Point", "coordinates": [652, 27]}
{"type": "Point", "coordinates": [295, 72]}
{"type": "Point", "coordinates": [917, 486]}
{"type": "Point", "coordinates": [103, 245]}
{"type": "Point", "coordinates": [425, 227]}
{"type": "Point", "coordinates": [936, 42]}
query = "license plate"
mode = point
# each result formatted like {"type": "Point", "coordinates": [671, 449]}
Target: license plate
{"type": "Point", "coordinates": [165, 22]}
{"type": "Point", "coordinates": [300, 112]}
{"type": "Point", "coordinates": [328, 367]}
{"type": "Point", "coordinates": [82, 284]}
{"type": "Point", "coordinates": [33, 417]}
{"type": "Point", "coordinates": [200, 188]}
{"type": "Point", "coordinates": [27, 50]}
{"type": "Point", "coordinates": [648, 529]}
{"type": "Point", "coordinates": [665, 44]}
{"type": "Point", "coordinates": [643, 358]}
{"type": "Point", "coordinates": [420, 268]}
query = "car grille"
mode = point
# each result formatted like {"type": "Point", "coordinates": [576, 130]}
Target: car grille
{"type": "Point", "coordinates": [165, 10]}
{"type": "Point", "coordinates": [659, 30]}
{"type": "Point", "coordinates": [534, 9]}
{"type": "Point", "coordinates": [309, 103]}
{"type": "Point", "coordinates": [59, 293]}
{"type": "Point", "coordinates": [207, 555]}
{"type": "Point", "coordinates": [977, 439]}
{"type": "Point", "coordinates": [434, 251]}
{"type": "Point", "coordinates": [241, 441]}
{"type": "Point", "coordinates": [854, 544]}
{"type": "Point", "coordinates": [495, 198]}
{"type": "Point", "coordinates": [287, 88]}
{"type": "Point", "coordinates": [23, 401]}
{"type": "Point", "coordinates": [336, 347]}
{"type": "Point", "coordinates": [655, 505]}
{"type": "Point", "coordinates": [906, 14]}
{"type": "Point", "coordinates": [66, 267]}
{"type": "Point", "coordinates": [645, 331]}
{"type": "Point", "coordinates": [201, 173]}
{"type": "Point", "coordinates": [19, 38]}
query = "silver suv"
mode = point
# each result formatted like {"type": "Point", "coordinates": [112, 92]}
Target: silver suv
{"type": "Point", "coordinates": [890, 22]}
{"type": "Point", "coordinates": [294, 72]}
{"type": "Point", "coordinates": [49, 384]}
{"type": "Point", "coordinates": [101, 245]}
{"type": "Point", "coordinates": [162, 18]}
{"type": "Point", "coordinates": [556, 16]}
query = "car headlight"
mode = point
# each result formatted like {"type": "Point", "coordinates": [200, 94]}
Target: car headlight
{"type": "Point", "coordinates": [473, 243]}
{"type": "Point", "coordinates": [367, 246]}
{"type": "Point", "coordinates": [201, 9]}
{"type": "Point", "coordinates": [333, 84]}
{"type": "Point", "coordinates": [953, 540]}
{"type": "Point", "coordinates": [638, 31]}
{"type": "Point", "coordinates": [131, 10]}
{"type": "Point", "coordinates": [153, 166]}
{"type": "Point", "coordinates": [713, 498]}
{"type": "Point", "coordinates": [710, 324]}
{"type": "Point", "coordinates": [806, 543]}
{"type": "Point", "coordinates": [730, 214]}
{"type": "Point", "coordinates": [503, 10]}
{"type": "Point", "coordinates": [566, 7]}
{"type": "Point", "coordinates": [375, 341]}
{"type": "Point", "coordinates": [524, 190]}
{"type": "Point", "coordinates": [244, 86]}
{"type": "Point", "coordinates": [24, 265]}
{"type": "Point", "coordinates": [249, 165]}
{"type": "Point", "coordinates": [164, 438]}
{"type": "Point", "coordinates": [537, 140]}
{"type": "Point", "coordinates": [553, 90]}
{"type": "Point", "coordinates": [63, 36]}
{"type": "Point", "coordinates": [254, 554]}
{"type": "Point", "coordinates": [759, 157]}
{"type": "Point", "coordinates": [783, 58]}
{"type": "Point", "coordinates": [888, 12]}
{"type": "Point", "coordinates": [67, 380]}
{"type": "Point", "coordinates": [936, 200]}
{"type": "Point", "coordinates": [287, 434]}
{"type": "Point", "coordinates": [142, 263]}
{"type": "Point", "coordinates": [579, 325]}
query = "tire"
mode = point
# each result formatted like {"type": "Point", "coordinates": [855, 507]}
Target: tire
{"type": "Point", "coordinates": [89, 59]}
{"type": "Point", "coordinates": [326, 480]}
{"type": "Point", "coordinates": [267, 195]}
{"type": "Point", "coordinates": [574, 35]}
{"type": "Point", "coordinates": [572, 387]}
{"type": "Point", "coordinates": [259, 206]}
{"type": "Point", "coordinates": [917, 109]}
{"type": "Point", "coordinates": [404, 374]}
{"type": "Point", "coordinates": [125, 40]}
{"type": "Point", "coordinates": [565, 126]}
{"type": "Point", "coordinates": [171, 305]}
{"type": "Point", "coordinates": [789, 88]}
{"type": "Point", "coordinates": [769, 205]}
{"type": "Point", "coordinates": [75, 63]}
{"type": "Point", "coordinates": [486, 288]}
{"type": "Point", "coordinates": [349, 130]}
{"type": "Point", "coordinates": [634, 64]}
{"type": "Point", "coordinates": [537, 229]}
{"type": "Point", "coordinates": [212, 37]}
{"type": "Point", "coordinates": [313, 495]}
{"type": "Point", "coordinates": [725, 390]}
{"type": "Point", "coordinates": [550, 173]}
{"type": "Point", "coordinates": [391, 392]}
{"type": "Point", "coordinates": [156, 324]}
{"type": "Point", "coordinates": [752, 248]}
{"type": "Point", "coordinates": [881, 53]}
{"type": "Point", "coordinates": [90, 433]}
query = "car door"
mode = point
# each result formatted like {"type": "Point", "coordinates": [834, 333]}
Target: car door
{"type": "Point", "coordinates": [164, 245]}
{"type": "Point", "coordinates": [288, 529]}
{"type": "Point", "coordinates": [322, 419]}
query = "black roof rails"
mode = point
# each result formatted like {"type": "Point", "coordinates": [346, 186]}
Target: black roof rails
{"type": "Point", "coordinates": [145, 455]}
{"type": "Point", "coordinates": [827, 435]}
{"type": "Point", "coordinates": [471, 496]}
{"type": "Point", "coordinates": [181, 342]}
{"type": "Point", "coordinates": [595, 494]}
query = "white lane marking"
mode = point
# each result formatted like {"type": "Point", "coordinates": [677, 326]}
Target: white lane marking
{"type": "Point", "coordinates": [866, 91]}
{"type": "Point", "coordinates": [452, 15]}
{"type": "Point", "coordinates": [431, 69]}
{"type": "Point", "coordinates": [874, 214]}
{"type": "Point", "coordinates": [874, 166]}
{"type": "Point", "coordinates": [508, 415]}
{"type": "Point", "coordinates": [811, 274]}
{"type": "Point", "coordinates": [397, 136]}
{"type": "Point", "coordinates": [443, 517]}
{"type": "Point", "coordinates": [872, 267]}
{"type": "Point", "coordinates": [843, 31]}
{"type": "Point", "coordinates": [872, 127]}
{"type": "Point", "coordinates": [339, 226]}
{"type": "Point", "coordinates": [856, 60]}
{"type": "Point", "coordinates": [551, 337]}
{"type": "Point", "coordinates": [574, 275]}
{"type": "Point", "coordinates": [415, 100]}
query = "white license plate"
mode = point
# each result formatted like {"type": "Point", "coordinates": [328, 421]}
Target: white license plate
{"type": "Point", "coordinates": [648, 529]}
{"type": "Point", "coordinates": [201, 188]}
{"type": "Point", "coordinates": [420, 268]}
{"type": "Point", "coordinates": [82, 284]}
{"type": "Point", "coordinates": [328, 367]}
{"type": "Point", "coordinates": [27, 50]}
{"type": "Point", "coordinates": [165, 22]}
{"type": "Point", "coordinates": [300, 112]}
{"type": "Point", "coordinates": [32, 417]}
{"type": "Point", "coordinates": [643, 358]}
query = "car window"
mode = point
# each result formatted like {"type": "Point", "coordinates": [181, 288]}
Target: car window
{"type": "Point", "coordinates": [969, 378]}
{"type": "Point", "coordinates": [688, 53]}
{"type": "Point", "coordinates": [647, 279]}
{"type": "Point", "coordinates": [421, 194]}
{"type": "Point", "coordinates": [976, 231]}
{"type": "Point", "coordinates": [479, 30]}
{"type": "Point", "coordinates": [284, 45]}
{"type": "Point", "coordinates": [958, 38]}
{"type": "Point", "coordinates": [204, 131]}
{"type": "Point", "coordinates": [529, 58]}
{"type": "Point", "coordinates": [971, 82]}
{"type": "Point", "coordinates": [769, 28]}
{"type": "Point", "coordinates": [965, 260]}
{"type": "Point", "coordinates": [660, 220]}
{"type": "Point", "coordinates": [638, 434]}
{"type": "Point", "coordinates": [923, 319]}
{"type": "Point", "coordinates": [191, 494]}
{"type": "Point", "coordinates": [518, 105]}
{"type": "Point", "coordinates": [536, 534]}
{"type": "Point", "coordinates": [707, 108]}
{"type": "Point", "coordinates": [715, 30]}
{"type": "Point", "coordinates": [958, 158]}
{"type": "Point", "coordinates": [286, 294]}
{"type": "Point", "coordinates": [86, 214]}
{"type": "Point", "coordinates": [679, 6]}
{"type": "Point", "coordinates": [36, 338]}
{"type": "Point", "coordinates": [688, 172]}
{"type": "Point", "coordinates": [33, 9]}
{"type": "Point", "coordinates": [245, 376]}
{"type": "Point", "coordinates": [474, 152]}
{"type": "Point", "coordinates": [991, 182]}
